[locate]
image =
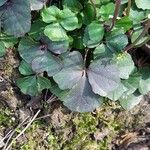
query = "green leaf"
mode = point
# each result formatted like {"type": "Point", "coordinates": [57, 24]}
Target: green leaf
{"type": "Point", "coordinates": [129, 101]}
{"type": "Point", "coordinates": [37, 29]}
{"type": "Point", "coordinates": [69, 20]}
{"type": "Point", "coordinates": [143, 4]}
{"type": "Point", "coordinates": [16, 17]}
{"type": "Point", "coordinates": [103, 76]}
{"type": "Point", "coordinates": [37, 4]}
{"type": "Point", "coordinates": [51, 14]}
{"type": "Point", "coordinates": [102, 51]}
{"type": "Point", "coordinates": [74, 5]}
{"type": "Point", "coordinates": [106, 11]}
{"type": "Point", "coordinates": [46, 62]}
{"type": "Point", "coordinates": [71, 72]}
{"type": "Point", "coordinates": [124, 23]}
{"type": "Point", "coordinates": [136, 34]}
{"type": "Point", "coordinates": [102, 2]}
{"type": "Point", "coordinates": [124, 1]}
{"type": "Point", "coordinates": [132, 84]}
{"type": "Point", "coordinates": [55, 32]}
{"type": "Point", "coordinates": [61, 94]}
{"type": "Point", "coordinates": [81, 98]}
{"type": "Point", "coordinates": [25, 68]}
{"type": "Point", "coordinates": [56, 47]}
{"type": "Point", "coordinates": [144, 84]}
{"type": "Point", "coordinates": [87, 41]}
{"type": "Point", "coordinates": [78, 42]}
{"type": "Point", "coordinates": [28, 85]}
{"type": "Point", "coordinates": [136, 15]}
{"type": "Point", "coordinates": [94, 33]}
{"type": "Point", "coordinates": [117, 93]}
{"type": "Point", "coordinates": [125, 64]}
{"type": "Point", "coordinates": [33, 85]}
{"type": "Point", "coordinates": [29, 49]}
{"type": "Point", "coordinates": [9, 41]}
{"type": "Point", "coordinates": [116, 40]}
{"type": "Point", "coordinates": [2, 49]}
{"type": "Point", "coordinates": [88, 14]}
{"type": "Point", "coordinates": [2, 2]}
{"type": "Point", "coordinates": [43, 83]}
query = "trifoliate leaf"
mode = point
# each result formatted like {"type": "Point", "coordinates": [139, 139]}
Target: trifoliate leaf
{"type": "Point", "coordinates": [144, 84]}
{"type": "Point", "coordinates": [106, 11]}
{"type": "Point", "coordinates": [25, 68]}
{"type": "Point", "coordinates": [125, 64]}
{"type": "Point", "coordinates": [125, 23]}
{"type": "Point", "coordinates": [94, 33]}
{"type": "Point", "coordinates": [2, 2]}
{"type": "Point", "coordinates": [143, 4]}
{"type": "Point", "coordinates": [103, 76]}
{"type": "Point", "coordinates": [28, 85]}
{"type": "Point", "coordinates": [2, 49]}
{"type": "Point", "coordinates": [33, 85]}
{"type": "Point", "coordinates": [29, 49]}
{"type": "Point", "coordinates": [117, 93]}
{"type": "Point", "coordinates": [16, 17]}
{"type": "Point", "coordinates": [69, 20]}
{"type": "Point", "coordinates": [81, 98]}
{"type": "Point", "coordinates": [46, 62]}
{"type": "Point", "coordinates": [55, 32]}
{"type": "Point", "coordinates": [74, 5]}
{"type": "Point", "coordinates": [72, 70]}
{"type": "Point", "coordinates": [51, 14]}
{"type": "Point", "coordinates": [129, 101]}
{"type": "Point", "coordinates": [37, 4]}
{"type": "Point", "coordinates": [116, 40]}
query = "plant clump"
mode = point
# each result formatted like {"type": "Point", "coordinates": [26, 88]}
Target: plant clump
{"type": "Point", "coordinates": [81, 51]}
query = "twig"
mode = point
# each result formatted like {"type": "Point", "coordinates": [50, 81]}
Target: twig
{"type": "Point", "coordinates": [27, 126]}
{"type": "Point", "coordinates": [51, 99]}
{"type": "Point", "coordinates": [13, 132]}
{"type": "Point", "coordinates": [116, 12]}
{"type": "Point", "coordinates": [42, 117]}
{"type": "Point", "coordinates": [85, 56]}
{"type": "Point", "coordinates": [6, 136]}
{"type": "Point", "coordinates": [128, 8]}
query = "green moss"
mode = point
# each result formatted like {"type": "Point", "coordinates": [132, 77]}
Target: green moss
{"type": "Point", "coordinates": [6, 118]}
{"type": "Point", "coordinates": [77, 133]}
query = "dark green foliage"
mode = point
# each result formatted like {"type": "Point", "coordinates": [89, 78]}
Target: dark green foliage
{"type": "Point", "coordinates": [71, 49]}
{"type": "Point", "coordinates": [16, 17]}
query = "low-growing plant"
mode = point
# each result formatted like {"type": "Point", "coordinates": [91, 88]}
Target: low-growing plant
{"type": "Point", "coordinates": [81, 50]}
